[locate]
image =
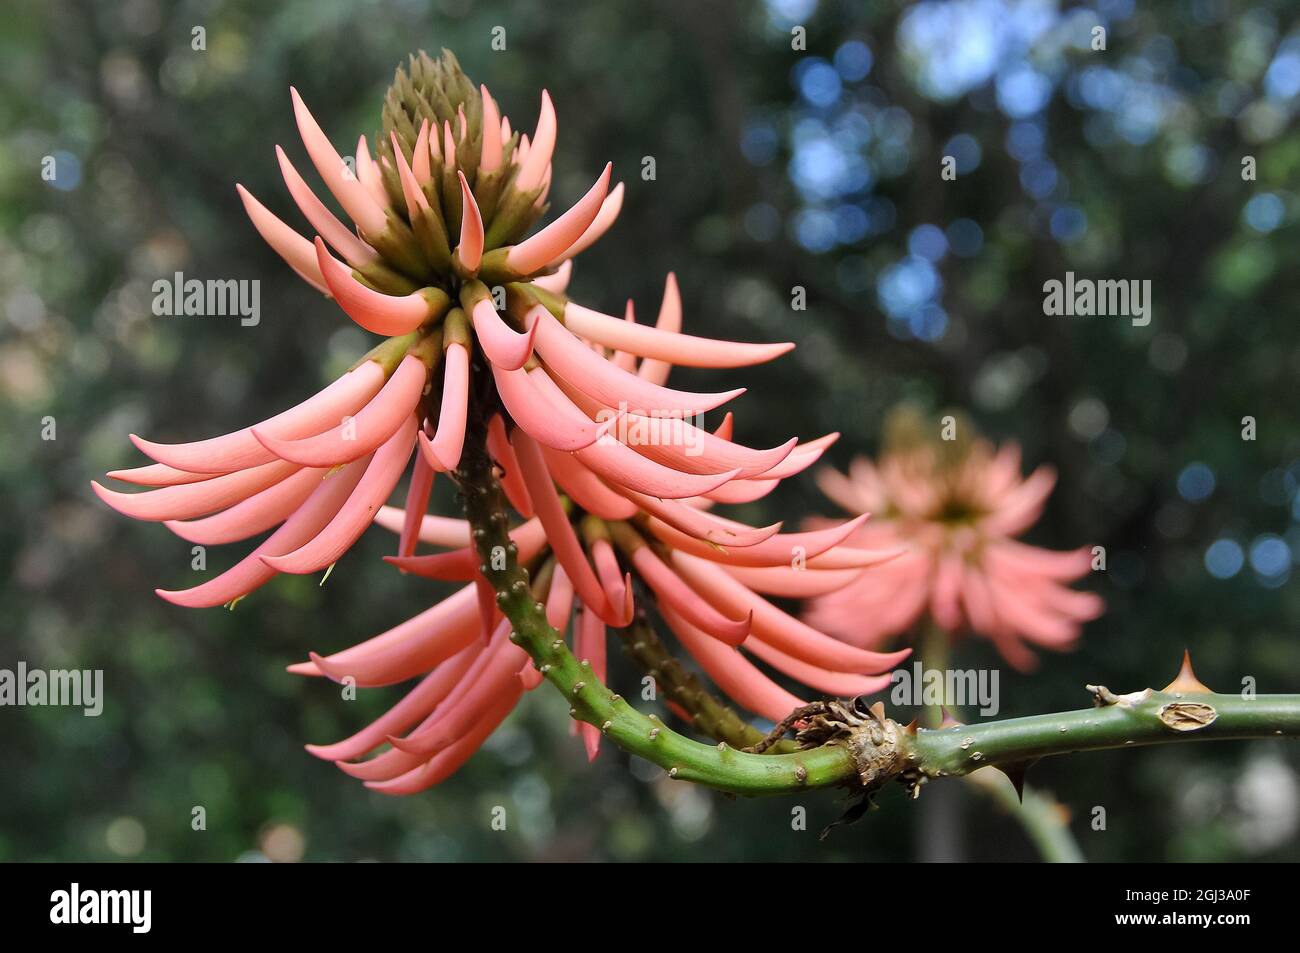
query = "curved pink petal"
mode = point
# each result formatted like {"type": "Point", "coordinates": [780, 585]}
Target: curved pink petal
{"type": "Point", "coordinates": [557, 282]}
{"type": "Point", "coordinates": [602, 223]}
{"type": "Point", "coordinates": [250, 572]}
{"type": "Point", "coordinates": [241, 450]}
{"type": "Point", "coordinates": [322, 219]}
{"type": "Point", "coordinates": [449, 439]}
{"type": "Point", "coordinates": [383, 314]}
{"type": "Point", "coordinates": [591, 647]}
{"type": "Point", "coordinates": [542, 416]}
{"type": "Point", "coordinates": [357, 436]}
{"type": "Point", "coordinates": [554, 240]}
{"type": "Point", "coordinates": [159, 474]}
{"type": "Point", "coordinates": [504, 347]}
{"type": "Point", "coordinates": [196, 499]}
{"type": "Point", "coordinates": [352, 195]}
{"type": "Point", "coordinates": [792, 583]}
{"type": "Point", "coordinates": [490, 157]}
{"type": "Point", "coordinates": [470, 248]}
{"type": "Point", "coordinates": [297, 252]}
{"type": "Point", "coordinates": [417, 501]}
{"type": "Point", "coordinates": [462, 564]}
{"type": "Point", "coordinates": [701, 526]}
{"type": "Point", "coordinates": [671, 589]}
{"type": "Point", "coordinates": [841, 684]}
{"type": "Point", "coordinates": [437, 530]}
{"type": "Point", "coordinates": [541, 148]}
{"type": "Point", "coordinates": [254, 515]}
{"type": "Point", "coordinates": [585, 488]}
{"type": "Point", "coordinates": [358, 512]}
{"type": "Point", "coordinates": [504, 456]}
{"type": "Point", "coordinates": [669, 320]}
{"type": "Point", "coordinates": [625, 467]}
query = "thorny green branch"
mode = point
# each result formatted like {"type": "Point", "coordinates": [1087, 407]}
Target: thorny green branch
{"type": "Point", "coordinates": [846, 745]}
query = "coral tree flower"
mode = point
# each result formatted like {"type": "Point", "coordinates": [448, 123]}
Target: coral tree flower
{"type": "Point", "coordinates": [956, 514]}
{"type": "Point", "coordinates": [610, 473]}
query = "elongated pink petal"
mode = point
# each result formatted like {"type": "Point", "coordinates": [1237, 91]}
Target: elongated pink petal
{"type": "Point", "coordinates": [591, 647]}
{"type": "Point", "coordinates": [241, 450]}
{"type": "Point", "coordinates": [357, 513]}
{"type": "Point", "coordinates": [449, 761]}
{"type": "Point", "coordinates": [383, 314]}
{"type": "Point", "coordinates": [559, 601]}
{"type": "Point", "coordinates": [416, 704]}
{"type": "Point", "coordinates": [159, 474]}
{"type": "Point", "coordinates": [605, 218]}
{"type": "Point", "coordinates": [417, 501]}
{"type": "Point", "coordinates": [541, 415]}
{"type": "Point", "coordinates": [420, 156]}
{"type": "Point", "coordinates": [490, 158]}
{"type": "Point", "coordinates": [322, 219]}
{"type": "Point", "coordinates": [554, 240]}
{"type": "Point", "coordinates": [564, 542]}
{"type": "Point", "coordinates": [352, 195]}
{"type": "Point", "coordinates": [357, 436]}
{"type": "Point", "coordinates": [618, 589]}
{"type": "Point", "coordinates": [195, 499]}
{"type": "Point", "coordinates": [470, 248]}
{"type": "Point", "coordinates": [800, 458]}
{"type": "Point", "coordinates": [461, 565]}
{"type": "Point", "coordinates": [841, 684]}
{"type": "Point", "coordinates": [701, 526]}
{"type": "Point", "coordinates": [416, 201]}
{"type": "Point", "coordinates": [624, 467]}
{"type": "Point", "coordinates": [557, 282]}
{"type": "Point", "coordinates": [681, 349]}
{"type": "Point", "coordinates": [449, 439]}
{"type": "Point", "coordinates": [668, 321]}
{"type": "Point", "coordinates": [406, 650]}
{"type": "Point", "coordinates": [742, 491]}
{"type": "Point", "coordinates": [251, 572]}
{"type": "Point", "coordinates": [504, 347]}
{"type": "Point", "coordinates": [284, 241]}
{"type": "Point", "coordinates": [487, 604]}
{"type": "Point", "coordinates": [777, 628]}
{"type": "Point", "coordinates": [602, 380]}
{"type": "Point", "coordinates": [792, 583]}
{"type": "Point", "coordinates": [254, 515]}
{"type": "Point", "coordinates": [437, 530]}
{"type": "Point", "coordinates": [736, 675]}
{"type": "Point", "coordinates": [540, 148]}
{"type": "Point", "coordinates": [585, 488]}
{"type": "Point", "coordinates": [504, 456]}
{"type": "Point", "coordinates": [369, 174]}
{"type": "Point", "coordinates": [672, 590]}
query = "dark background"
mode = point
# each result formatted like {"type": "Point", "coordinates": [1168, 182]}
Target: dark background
{"type": "Point", "coordinates": [775, 169]}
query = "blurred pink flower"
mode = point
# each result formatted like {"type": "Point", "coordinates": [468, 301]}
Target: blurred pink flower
{"type": "Point", "coordinates": [957, 520]}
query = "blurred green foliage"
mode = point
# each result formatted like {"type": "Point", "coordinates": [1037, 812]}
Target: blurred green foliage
{"type": "Point", "coordinates": [771, 173]}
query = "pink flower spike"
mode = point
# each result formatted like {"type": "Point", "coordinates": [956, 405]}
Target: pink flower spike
{"type": "Point", "coordinates": [352, 195]}
{"type": "Point", "coordinates": [251, 572]}
{"type": "Point", "coordinates": [684, 350]}
{"type": "Point", "coordinates": [541, 148]}
{"type": "Point", "coordinates": [379, 313]}
{"type": "Point", "coordinates": [417, 501]}
{"type": "Point", "coordinates": [605, 218]}
{"type": "Point", "coordinates": [557, 282]}
{"type": "Point", "coordinates": [357, 513]}
{"type": "Point", "coordinates": [196, 499]}
{"type": "Point", "coordinates": [541, 415]}
{"type": "Point", "coordinates": [670, 589]}
{"type": "Point", "coordinates": [512, 483]}
{"type": "Point", "coordinates": [490, 159]}
{"type": "Point", "coordinates": [504, 347]}
{"type": "Point", "coordinates": [284, 241]}
{"type": "Point", "coordinates": [554, 240]}
{"type": "Point", "coordinates": [470, 248]}
{"type": "Point", "coordinates": [357, 436]}
{"type": "Point", "coordinates": [420, 156]}
{"type": "Point", "coordinates": [241, 450]}
{"type": "Point", "coordinates": [158, 474]}
{"type": "Point", "coordinates": [592, 374]}
{"type": "Point", "coordinates": [559, 532]}
{"type": "Point", "coordinates": [449, 439]}
{"type": "Point", "coordinates": [357, 252]}
{"type": "Point", "coordinates": [416, 201]}
{"type": "Point", "coordinates": [733, 673]}
{"type": "Point", "coordinates": [254, 515]}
